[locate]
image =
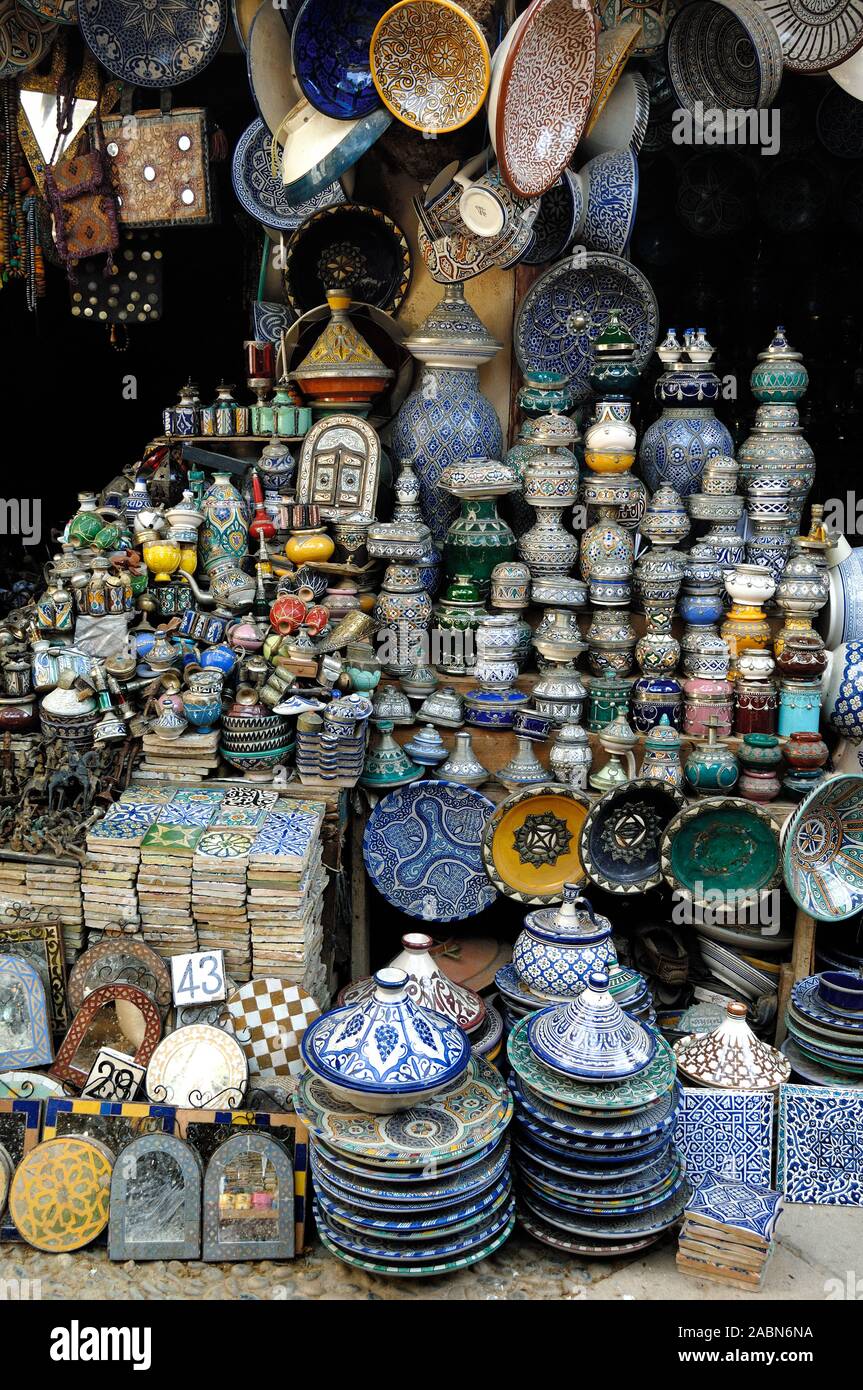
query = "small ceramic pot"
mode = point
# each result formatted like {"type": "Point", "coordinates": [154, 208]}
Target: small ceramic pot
{"type": "Point", "coordinates": [806, 751]}
{"type": "Point", "coordinates": [756, 706]}
{"type": "Point", "coordinates": [750, 585]}
{"type": "Point", "coordinates": [755, 663]}
{"type": "Point", "coordinates": [841, 990]}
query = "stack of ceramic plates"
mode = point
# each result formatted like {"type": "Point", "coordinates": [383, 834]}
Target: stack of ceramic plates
{"type": "Point", "coordinates": [417, 1192]}
{"type": "Point", "coordinates": [519, 999]}
{"type": "Point", "coordinates": [825, 1027]}
{"type": "Point", "coordinates": [597, 1169]}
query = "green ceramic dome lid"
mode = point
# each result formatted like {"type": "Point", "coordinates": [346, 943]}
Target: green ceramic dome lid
{"type": "Point", "coordinates": [615, 339]}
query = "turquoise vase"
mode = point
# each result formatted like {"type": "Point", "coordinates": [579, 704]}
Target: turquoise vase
{"type": "Point", "coordinates": [225, 532]}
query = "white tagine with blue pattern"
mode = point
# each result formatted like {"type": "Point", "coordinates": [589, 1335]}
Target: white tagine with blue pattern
{"type": "Point", "coordinates": [591, 1037]}
{"type": "Point", "coordinates": [385, 1052]}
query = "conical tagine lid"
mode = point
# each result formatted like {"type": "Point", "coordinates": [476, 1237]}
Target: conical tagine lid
{"type": "Point", "coordinates": [386, 1045]}
{"type": "Point", "coordinates": [427, 985]}
{"type": "Point", "coordinates": [731, 1058]}
{"type": "Point", "coordinates": [591, 1038]}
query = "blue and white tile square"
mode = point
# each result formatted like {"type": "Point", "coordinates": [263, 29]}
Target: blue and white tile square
{"type": "Point", "coordinates": [751, 1209]}
{"type": "Point", "coordinates": [729, 1133]}
{"type": "Point", "coordinates": [821, 1145]}
{"type": "Point", "coordinates": [287, 834]}
{"type": "Point", "coordinates": [187, 813]}
{"type": "Point", "coordinates": [125, 820]}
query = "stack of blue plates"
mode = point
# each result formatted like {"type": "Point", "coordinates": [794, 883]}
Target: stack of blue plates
{"type": "Point", "coordinates": [598, 1173]}
{"type": "Point", "coordinates": [417, 1192]}
{"type": "Point", "coordinates": [825, 1040]}
{"type": "Point", "coordinates": [518, 999]}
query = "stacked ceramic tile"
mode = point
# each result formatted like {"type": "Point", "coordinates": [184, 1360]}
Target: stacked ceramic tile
{"type": "Point", "coordinates": [825, 1028]}
{"type": "Point", "coordinates": [185, 759]}
{"type": "Point", "coordinates": [286, 885]}
{"type": "Point", "coordinates": [219, 896]}
{"type": "Point", "coordinates": [165, 888]}
{"type": "Point", "coordinates": [727, 1233]}
{"type": "Point", "coordinates": [598, 1172]}
{"type": "Point", "coordinates": [56, 890]}
{"type": "Point", "coordinates": [409, 1153]}
{"type": "Point", "coordinates": [13, 877]}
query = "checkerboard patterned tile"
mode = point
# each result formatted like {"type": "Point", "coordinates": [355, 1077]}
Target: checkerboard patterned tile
{"type": "Point", "coordinates": [270, 1017]}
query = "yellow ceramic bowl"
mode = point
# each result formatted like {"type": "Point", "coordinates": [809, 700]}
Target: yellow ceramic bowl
{"type": "Point", "coordinates": [308, 546]}
{"type": "Point", "coordinates": [162, 557]}
{"type": "Point", "coordinates": [430, 64]}
{"type": "Point", "coordinates": [606, 462]}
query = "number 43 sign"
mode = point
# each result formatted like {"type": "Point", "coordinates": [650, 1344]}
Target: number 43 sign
{"type": "Point", "coordinates": [198, 978]}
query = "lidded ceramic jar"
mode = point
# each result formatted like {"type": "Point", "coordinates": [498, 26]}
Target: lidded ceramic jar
{"type": "Point", "coordinates": [665, 521]}
{"type": "Point", "coordinates": [550, 486]}
{"type": "Point", "coordinates": [657, 654]}
{"type": "Point", "coordinates": [560, 694]}
{"type": "Point", "coordinates": [571, 756]}
{"type": "Point", "coordinates": [800, 655]}
{"type": "Point", "coordinates": [478, 538]}
{"type": "Point", "coordinates": [559, 947]}
{"type": "Point", "coordinates": [510, 585]}
{"type": "Point", "coordinates": [609, 697]}
{"type": "Point", "coordinates": [662, 755]}
{"type": "Point", "coordinates": [606, 540]}
{"type": "Point", "coordinates": [705, 654]}
{"type": "Point", "coordinates": [591, 1038]}
{"type": "Point", "coordinates": [750, 585]}
{"type": "Point", "coordinates": [463, 765]}
{"type": "Point", "coordinates": [779, 375]}
{"type": "Point", "coordinates": [675, 448]}
{"type": "Point", "coordinates": [805, 751]}
{"type": "Point", "coordinates": [799, 707]}
{"type": "Point", "coordinates": [755, 664]}
{"type": "Point", "coordinates": [611, 642]}
{"type": "Point", "coordinates": [756, 706]}
{"type": "Point", "coordinates": [557, 636]}
{"type": "Point", "coordinates": [426, 748]}
{"type": "Point", "coordinates": [804, 587]}
{"type": "Point", "coordinates": [719, 478]}
{"type": "Point", "coordinates": [459, 614]}
{"type": "Point", "coordinates": [726, 543]}
{"type": "Point", "coordinates": [426, 984]}
{"type": "Point", "coordinates": [711, 768]}
{"type": "Point", "coordinates": [706, 703]}
{"type": "Point", "coordinates": [731, 1058]}
{"type": "Point", "coordinates": [658, 576]}
{"type": "Point", "coordinates": [653, 699]}
{"type": "Point", "coordinates": [403, 612]}
{"type": "Point", "coordinates": [443, 707]}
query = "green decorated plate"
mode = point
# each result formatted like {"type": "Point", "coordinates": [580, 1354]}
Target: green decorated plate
{"type": "Point", "coordinates": [586, 1096]}
{"type": "Point", "coordinates": [721, 853]}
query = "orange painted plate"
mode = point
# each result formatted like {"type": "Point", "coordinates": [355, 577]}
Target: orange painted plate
{"type": "Point", "coordinates": [531, 843]}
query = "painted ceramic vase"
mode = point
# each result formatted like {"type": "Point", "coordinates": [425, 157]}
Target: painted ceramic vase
{"type": "Point", "coordinates": [477, 541]}
{"type": "Point", "coordinates": [510, 585]}
{"type": "Point", "coordinates": [801, 655]}
{"type": "Point", "coordinates": [560, 947]}
{"type": "Point", "coordinates": [456, 619]}
{"type": "Point", "coordinates": [665, 522]}
{"type": "Point", "coordinates": [661, 761]}
{"type": "Point", "coordinates": [776, 446]}
{"type": "Point", "coordinates": [305, 546]}
{"type": "Point", "coordinates": [224, 534]}
{"type": "Point", "coordinates": [606, 542]}
{"type": "Point", "coordinates": [675, 448]}
{"type": "Point", "coordinates": [745, 627]}
{"type": "Point", "coordinates": [707, 702]}
{"type": "Point", "coordinates": [446, 419]}
{"type": "Point", "coordinates": [559, 693]}
{"type": "Point", "coordinates": [779, 374]}
{"type": "Point", "coordinates": [756, 707]}
{"type": "Point", "coordinates": [711, 768]}
{"type": "Point", "coordinates": [611, 643]}
{"type": "Point", "coordinates": [550, 485]}
{"type": "Point", "coordinates": [756, 663]}
{"type": "Point", "coordinates": [402, 615]}
{"type": "Point", "coordinates": [842, 620]}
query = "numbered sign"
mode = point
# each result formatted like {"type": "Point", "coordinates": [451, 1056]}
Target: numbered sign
{"type": "Point", "coordinates": [198, 978]}
{"type": "Point", "coordinates": [113, 1076]}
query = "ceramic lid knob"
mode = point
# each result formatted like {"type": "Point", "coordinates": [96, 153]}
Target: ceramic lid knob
{"type": "Point", "coordinates": [735, 1009]}
{"type": "Point", "coordinates": [389, 982]}
{"type": "Point", "coordinates": [416, 941]}
{"type": "Point", "coordinates": [598, 980]}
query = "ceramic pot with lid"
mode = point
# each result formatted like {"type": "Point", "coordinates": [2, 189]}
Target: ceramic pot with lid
{"type": "Point", "coordinates": [559, 947]}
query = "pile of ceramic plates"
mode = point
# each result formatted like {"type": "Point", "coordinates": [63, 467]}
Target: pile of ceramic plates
{"type": "Point", "coordinates": [596, 1101]}
{"type": "Point", "coordinates": [417, 1192]}
{"type": "Point", "coordinates": [409, 1156]}
{"type": "Point", "coordinates": [825, 1028]}
{"type": "Point", "coordinates": [518, 999]}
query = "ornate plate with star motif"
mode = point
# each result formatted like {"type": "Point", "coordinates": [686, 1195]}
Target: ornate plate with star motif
{"type": "Point", "coordinates": [153, 45]}
{"type": "Point", "coordinates": [621, 836]}
{"type": "Point", "coordinates": [531, 844]}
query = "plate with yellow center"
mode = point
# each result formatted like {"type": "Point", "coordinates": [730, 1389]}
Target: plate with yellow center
{"type": "Point", "coordinates": [430, 64]}
{"type": "Point", "coordinates": [60, 1193]}
{"type": "Point", "coordinates": [531, 843]}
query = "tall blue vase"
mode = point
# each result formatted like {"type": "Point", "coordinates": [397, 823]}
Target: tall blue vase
{"type": "Point", "coordinates": [447, 419]}
{"type": "Point", "coordinates": [676, 447]}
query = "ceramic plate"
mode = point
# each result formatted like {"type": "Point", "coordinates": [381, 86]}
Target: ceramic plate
{"type": "Point", "coordinates": [420, 1192]}
{"type": "Point", "coordinates": [574, 1164]}
{"type": "Point", "coordinates": [25, 38]}
{"type": "Point", "coordinates": [420, 1271]}
{"type": "Point", "coordinates": [561, 209]}
{"type": "Point", "coordinates": [198, 1067]}
{"type": "Point", "coordinates": [589, 1153]}
{"type": "Point", "coordinates": [652, 19]}
{"type": "Point", "coordinates": [611, 1227]}
{"type": "Point", "coordinates": [609, 1185]}
{"type": "Point", "coordinates": [487, 1035]}
{"type": "Point", "coordinates": [422, 850]}
{"type": "Point", "coordinates": [530, 845]}
{"type": "Point", "coordinates": [632, 1094]}
{"type": "Point", "coordinates": [374, 1248]}
{"type": "Point", "coordinates": [655, 1119]}
{"type": "Point", "coordinates": [242, 14]}
{"type": "Point", "coordinates": [430, 63]}
{"type": "Point", "coordinates": [153, 45]}
{"type": "Point", "coordinates": [317, 150]}
{"type": "Point", "coordinates": [816, 36]}
{"type": "Point", "coordinates": [269, 1017]}
{"type": "Point", "coordinates": [625, 119]}
{"type": "Point", "coordinates": [29, 1085]}
{"type": "Point", "coordinates": [331, 43]}
{"type": "Point", "coordinates": [452, 1125]}
{"type": "Point", "coordinates": [568, 1199]}
{"type": "Point", "coordinates": [813, 1071]}
{"type": "Point", "coordinates": [610, 184]}
{"type": "Point", "coordinates": [361, 1218]}
{"type": "Point", "coordinates": [807, 999]}
{"type": "Point", "coordinates": [368, 1169]}
{"type": "Point", "coordinates": [352, 248]}
{"type": "Point", "coordinates": [613, 48]}
{"type": "Point", "coordinates": [731, 968]}
{"type": "Point", "coordinates": [542, 1229]}
{"type": "Point", "coordinates": [721, 846]}
{"type": "Point", "coordinates": [620, 838]}
{"type": "Point", "coordinates": [723, 53]}
{"type": "Point", "coordinates": [269, 66]}
{"type": "Point", "coordinates": [823, 850]}
{"type": "Point", "coordinates": [263, 196]}
{"type": "Point", "coordinates": [563, 314]}
{"type": "Point", "coordinates": [546, 87]}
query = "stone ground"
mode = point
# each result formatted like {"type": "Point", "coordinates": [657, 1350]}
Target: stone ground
{"type": "Point", "coordinates": [816, 1245]}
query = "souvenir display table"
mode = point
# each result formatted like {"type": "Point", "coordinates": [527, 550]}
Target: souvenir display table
{"type": "Point", "coordinates": [431, 798]}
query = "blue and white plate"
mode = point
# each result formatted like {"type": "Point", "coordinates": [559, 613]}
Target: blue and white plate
{"type": "Point", "coordinates": [422, 850]}
{"type": "Point", "coordinates": [609, 1227]}
{"type": "Point", "coordinates": [415, 1224]}
{"type": "Point", "coordinates": [561, 211]}
{"type": "Point", "coordinates": [807, 1000]}
{"type": "Point", "coordinates": [331, 43]}
{"type": "Point", "coordinates": [569, 1198]}
{"type": "Point", "coordinates": [614, 1187]}
{"type": "Point", "coordinates": [656, 1118]}
{"type": "Point", "coordinates": [370, 1247]}
{"type": "Point", "coordinates": [602, 1176]}
{"type": "Point", "coordinates": [562, 315]}
{"type": "Point", "coordinates": [360, 1218]}
{"type": "Point", "coordinates": [263, 196]}
{"type": "Point", "coordinates": [810, 1070]}
{"type": "Point", "coordinates": [594, 1155]}
{"type": "Point", "coordinates": [405, 1177]}
{"type": "Point", "coordinates": [153, 45]}
{"type": "Point", "coordinates": [436, 1192]}
{"type": "Point", "coordinates": [420, 1271]}
{"type": "Point", "coordinates": [610, 184]}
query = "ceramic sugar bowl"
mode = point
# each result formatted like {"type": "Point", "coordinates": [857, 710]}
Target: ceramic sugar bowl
{"type": "Point", "coordinates": [559, 947]}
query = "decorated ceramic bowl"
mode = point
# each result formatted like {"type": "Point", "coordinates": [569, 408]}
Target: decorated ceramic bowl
{"type": "Point", "coordinates": [430, 64]}
{"type": "Point", "coordinates": [621, 837]}
{"type": "Point", "coordinates": [724, 853]}
{"type": "Point", "coordinates": [723, 54]}
{"type": "Point", "coordinates": [823, 850]}
{"type": "Point", "coordinates": [609, 184]}
{"type": "Point", "coordinates": [841, 990]}
{"type": "Point", "coordinates": [330, 47]}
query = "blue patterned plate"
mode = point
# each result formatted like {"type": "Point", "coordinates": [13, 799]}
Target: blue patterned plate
{"type": "Point", "coordinates": [422, 849]}
{"type": "Point", "coordinates": [610, 1227]}
{"type": "Point", "coordinates": [807, 1001]}
{"type": "Point", "coordinates": [612, 1186]}
{"type": "Point", "coordinates": [813, 1071]}
{"type": "Point", "coordinates": [331, 44]}
{"type": "Point", "coordinates": [563, 314]}
{"type": "Point", "coordinates": [404, 1176]}
{"type": "Point", "coordinates": [153, 45]}
{"type": "Point", "coordinates": [371, 1247]}
{"type": "Point", "coordinates": [362, 1218]}
{"type": "Point", "coordinates": [595, 1155]}
{"type": "Point", "coordinates": [610, 184]}
{"type": "Point", "coordinates": [420, 1271]}
{"type": "Point", "coordinates": [262, 196]}
{"type": "Point", "coordinates": [435, 1192]}
{"type": "Point", "coordinates": [593, 1205]}
{"type": "Point", "coordinates": [543, 1230]}
{"type": "Point", "coordinates": [562, 1165]}
{"type": "Point", "coordinates": [655, 1119]}
{"type": "Point", "coordinates": [606, 1096]}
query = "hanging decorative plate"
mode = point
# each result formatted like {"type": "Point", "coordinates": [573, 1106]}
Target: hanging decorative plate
{"type": "Point", "coordinates": [631, 1094]}
{"type": "Point", "coordinates": [25, 1027]}
{"type": "Point", "coordinates": [725, 54]}
{"type": "Point", "coordinates": [57, 11]}
{"type": "Point", "coordinates": [198, 1067]}
{"type": "Point", "coordinates": [242, 14]}
{"type": "Point", "coordinates": [331, 42]}
{"type": "Point", "coordinates": [447, 1128]}
{"type": "Point", "coordinates": [530, 845]}
{"type": "Point", "coordinates": [317, 150]}
{"type": "Point", "coordinates": [25, 38]}
{"type": "Point", "coordinates": [270, 66]}
{"type": "Point", "coordinates": [816, 36]}
{"type": "Point", "coordinates": [29, 1085]}
{"type": "Point", "coordinates": [352, 248]}
{"type": "Point", "coordinates": [419, 1271]}
{"type": "Point", "coordinates": [60, 1194]}
{"type": "Point", "coordinates": [545, 91]}
{"type": "Point", "coordinates": [823, 850]}
{"type": "Point", "coordinates": [624, 120]}
{"type": "Point", "coordinates": [620, 838]}
{"type": "Point", "coordinates": [422, 850]}
{"type": "Point", "coordinates": [117, 1016]}
{"type": "Point", "coordinates": [263, 196]}
{"type": "Point", "coordinates": [157, 45]}
{"type": "Point", "coordinates": [722, 847]}
{"type": "Point", "coordinates": [652, 19]}
{"type": "Point", "coordinates": [563, 314]}
{"type": "Point", "coordinates": [114, 960]}
{"type": "Point", "coordinates": [613, 48]}
{"type": "Point", "coordinates": [431, 65]}
{"type": "Point", "coordinates": [561, 209]}
{"type": "Point", "coordinates": [269, 1018]}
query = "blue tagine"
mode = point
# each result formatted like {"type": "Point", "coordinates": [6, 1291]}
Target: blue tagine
{"type": "Point", "coordinates": [386, 1053]}
{"type": "Point", "coordinates": [591, 1037]}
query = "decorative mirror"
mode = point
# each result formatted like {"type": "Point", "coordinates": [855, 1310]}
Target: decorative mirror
{"type": "Point", "coordinates": [117, 1016]}
{"type": "Point", "coordinates": [41, 943]}
{"type": "Point", "coordinates": [339, 467]}
{"type": "Point", "coordinates": [119, 961]}
{"type": "Point", "coordinates": [110, 1122]}
{"type": "Point", "coordinates": [249, 1200]}
{"type": "Point", "coordinates": [25, 1028]}
{"type": "Point", "coordinates": [198, 1066]}
{"type": "Point", "coordinates": [156, 1201]}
